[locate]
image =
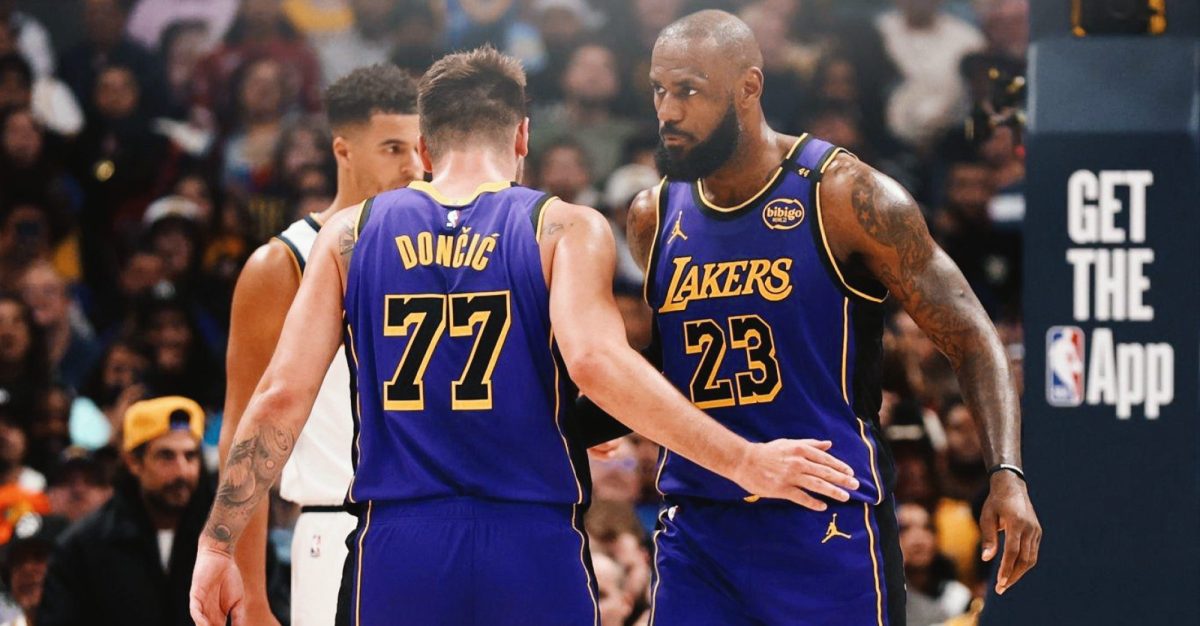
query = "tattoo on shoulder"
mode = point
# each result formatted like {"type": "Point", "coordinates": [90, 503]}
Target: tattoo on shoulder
{"type": "Point", "coordinates": [933, 297]}
{"type": "Point", "coordinates": [551, 228]}
{"type": "Point", "coordinates": [641, 232]}
{"type": "Point", "coordinates": [347, 238]}
{"type": "Point", "coordinates": [889, 220]}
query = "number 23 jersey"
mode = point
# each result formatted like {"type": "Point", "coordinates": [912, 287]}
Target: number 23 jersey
{"type": "Point", "coordinates": [760, 328]}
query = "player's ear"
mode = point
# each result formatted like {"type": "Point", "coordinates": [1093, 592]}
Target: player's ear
{"type": "Point", "coordinates": [341, 151]}
{"type": "Point", "coordinates": [522, 146]}
{"type": "Point", "coordinates": [423, 151]}
{"type": "Point", "coordinates": [751, 86]}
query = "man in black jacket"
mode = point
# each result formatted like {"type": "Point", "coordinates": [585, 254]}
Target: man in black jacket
{"type": "Point", "coordinates": [130, 562]}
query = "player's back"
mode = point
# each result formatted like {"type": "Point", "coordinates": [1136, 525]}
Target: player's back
{"type": "Point", "coordinates": [458, 391]}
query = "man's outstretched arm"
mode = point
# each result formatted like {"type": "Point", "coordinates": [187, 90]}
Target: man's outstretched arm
{"type": "Point", "coordinates": [273, 419]}
{"type": "Point", "coordinates": [591, 337]}
{"type": "Point", "coordinates": [869, 216]}
{"type": "Point", "coordinates": [266, 287]}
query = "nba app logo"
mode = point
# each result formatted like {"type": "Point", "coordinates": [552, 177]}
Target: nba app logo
{"type": "Point", "coordinates": [1064, 366]}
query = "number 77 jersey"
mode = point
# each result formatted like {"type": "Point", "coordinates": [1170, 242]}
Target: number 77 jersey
{"type": "Point", "coordinates": [456, 387]}
{"type": "Point", "coordinates": [760, 327]}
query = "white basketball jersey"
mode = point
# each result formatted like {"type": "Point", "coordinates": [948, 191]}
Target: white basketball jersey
{"type": "Point", "coordinates": [319, 471]}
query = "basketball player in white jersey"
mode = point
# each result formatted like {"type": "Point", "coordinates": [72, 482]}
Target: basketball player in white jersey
{"type": "Point", "coordinates": [373, 116]}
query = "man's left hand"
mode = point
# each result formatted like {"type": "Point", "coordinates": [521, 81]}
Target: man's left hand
{"type": "Point", "coordinates": [1009, 510]}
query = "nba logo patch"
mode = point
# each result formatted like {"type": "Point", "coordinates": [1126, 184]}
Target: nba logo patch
{"type": "Point", "coordinates": [1064, 366]}
{"type": "Point", "coordinates": [314, 548]}
{"type": "Point", "coordinates": [451, 220]}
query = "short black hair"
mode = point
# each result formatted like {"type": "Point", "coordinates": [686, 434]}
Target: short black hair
{"type": "Point", "coordinates": [16, 63]}
{"type": "Point", "coordinates": [379, 88]}
{"type": "Point", "coordinates": [478, 95]}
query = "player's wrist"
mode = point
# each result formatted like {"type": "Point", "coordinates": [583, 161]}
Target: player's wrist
{"type": "Point", "coordinates": [742, 470]}
{"type": "Point", "coordinates": [1006, 472]}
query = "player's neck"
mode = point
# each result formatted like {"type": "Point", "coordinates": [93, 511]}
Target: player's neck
{"type": "Point", "coordinates": [348, 194]}
{"type": "Point", "coordinates": [458, 174]}
{"type": "Point", "coordinates": [755, 159]}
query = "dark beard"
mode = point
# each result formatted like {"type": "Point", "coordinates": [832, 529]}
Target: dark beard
{"type": "Point", "coordinates": [705, 156]}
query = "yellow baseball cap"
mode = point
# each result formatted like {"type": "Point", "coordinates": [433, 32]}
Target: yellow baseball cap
{"type": "Point", "coordinates": [150, 419]}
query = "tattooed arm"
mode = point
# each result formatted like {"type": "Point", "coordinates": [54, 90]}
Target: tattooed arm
{"type": "Point", "coordinates": [580, 258]}
{"type": "Point", "coordinates": [873, 223]}
{"type": "Point", "coordinates": [273, 419]}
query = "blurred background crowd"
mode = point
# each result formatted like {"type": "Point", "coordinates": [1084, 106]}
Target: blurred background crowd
{"type": "Point", "coordinates": [148, 146]}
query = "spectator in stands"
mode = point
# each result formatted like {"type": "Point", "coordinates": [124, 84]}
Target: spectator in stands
{"type": "Point", "coordinates": [418, 37]}
{"type": "Point", "coordinates": [927, 45]}
{"type": "Point", "coordinates": [96, 417]}
{"type": "Point", "coordinates": [14, 447]}
{"type": "Point", "coordinates": [142, 273]}
{"type": "Point", "coordinates": [31, 38]}
{"type": "Point", "coordinates": [248, 153]}
{"type": "Point", "coordinates": [24, 572]}
{"type": "Point", "coordinates": [184, 43]}
{"type": "Point", "coordinates": [52, 102]}
{"type": "Point", "coordinates": [784, 84]}
{"type": "Point", "coordinates": [616, 532]}
{"type": "Point", "coordinates": [591, 84]}
{"type": "Point", "coordinates": [368, 41]}
{"type": "Point", "coordinates": [122, 164]}
{"type": "Point", "coordinates": [131, 561]}
{"type": "Point", "coordinates": [182, 358]}
{"type": "Point", "coordinates": [300, 165]}
{"type": "Point", "coordinates": [260, 31]}
{"type": "Point", "coordinates": [32, 164]}
{"type": "Point", "coordinates": [615, 478]}
{"type": "Point", "coordinates": [564, 170]}
{"type": "Point", "coordinates": [151, 20]}
{"type": "Point", "coordinates": [625, 183]}
{"type": "Point", "coordinates": [106, 45]}
{"type": "Point", "coordinates": [562, 25]}
{"type": "Point", "coordinates": [615, 606]}
{"type": "Point", "coordinates": [72, 350]}
{"type": "Point", "coordinates": [933, 593]}
{"type": "Point", "coordinates": [173, 231]}
{"type": "Point", "coordinates": [78, 488]}
{"type": "Point", "coordinates": [964, 480]}
{"type": "Point", "coordinates": [26, 238]}
{"type": "Point", "coordinates": [964, 476]}
{"type": "Point", "coordinates": [989, 257]}
{"type": "Point", "coordinates": [49, 435]}
{"type": "Point", "coordinates": [24, 373]}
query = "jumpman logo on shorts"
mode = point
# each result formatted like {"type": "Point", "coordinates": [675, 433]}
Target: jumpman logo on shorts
{"type": "Point", "coordinates": [676, 231]}
{"type": "Point", "coordinates": [833, 531]}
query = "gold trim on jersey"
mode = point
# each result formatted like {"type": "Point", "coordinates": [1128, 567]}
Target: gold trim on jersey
{"type": "Point", "coordinates": [862, 426]}
{"type": "Point", "coordinates": [358, 583]}
{"type": "Point", "coordinates": [758, 194]}
{"type": "Point", "coordinates": [432, 192]}
{"type": "Point", "coordinates": [650, 266]}
{"type": "Point", "coordinates": [862, 431]}
{"type": "Point", "coordinates": [825, 239]}
{"type": "Point", "coordinates": [537, 233]}
{"type": "Point", "coordinates": [357, 411]}
{"type": "Point", "coordinates": [845, 345]}
{"type": "Point", "coordinates": [291, 250]}
{"type": "Point", "coordinates": [358, 217]}
{"type": "Point", "coordinates": [578, 486]}
{"type": "Point", "coordinates": [657, 576]}
{"type": "Point", "coordinates": [874, 564]}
